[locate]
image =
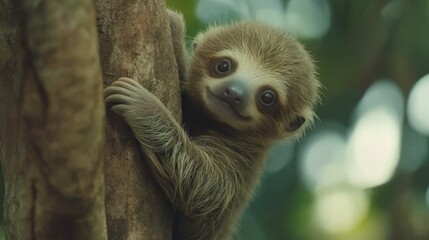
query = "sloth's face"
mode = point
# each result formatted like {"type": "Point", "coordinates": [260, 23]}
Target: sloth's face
{"type": "Point", "coordinates": [253, 78]}
{"type": "Point", "coordinates": [237, 91]}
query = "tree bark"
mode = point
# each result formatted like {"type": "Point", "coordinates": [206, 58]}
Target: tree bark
{"type": "Point", "coordinates": [61, 182]}
{"type": "Point", "coordinates": [52, 121]}
{"type": "Point", "coordinates": [135, 42]}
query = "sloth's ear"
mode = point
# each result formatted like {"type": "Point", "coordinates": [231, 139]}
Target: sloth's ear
{"type": "Point", "coordinates": [296, 123]}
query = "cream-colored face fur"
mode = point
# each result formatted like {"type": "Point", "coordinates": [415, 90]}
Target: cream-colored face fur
{"type": "Point", "coordinates": [263, 58]}
{"type": "Point", "coordinates": [250, 73]}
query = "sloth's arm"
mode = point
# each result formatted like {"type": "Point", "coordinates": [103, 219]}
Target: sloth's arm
{"type": "Point", "coordinates": [197, 175]}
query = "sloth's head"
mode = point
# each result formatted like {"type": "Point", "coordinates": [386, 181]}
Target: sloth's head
{"type": "Point", "coordinates": [255, 78]}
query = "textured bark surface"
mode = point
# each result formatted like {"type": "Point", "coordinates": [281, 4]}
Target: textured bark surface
{"type": "Point", "coordinates": [52, 118]}
{"type": "Point", "coordinates": [135, 42]}
{"type": "Point", "coordinates": [52, 121]}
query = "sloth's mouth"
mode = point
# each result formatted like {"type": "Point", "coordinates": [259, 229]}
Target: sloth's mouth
{"type": "Point", "coordinates": [226, 106]}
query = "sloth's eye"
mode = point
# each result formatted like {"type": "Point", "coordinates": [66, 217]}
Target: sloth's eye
{"type": "Point", "coordinates": [223, 67]}
{"type": "Point", "coordinates": [267, 98]}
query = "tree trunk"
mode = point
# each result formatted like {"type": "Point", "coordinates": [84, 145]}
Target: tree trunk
{"type": "Point", "coordinates": [61, 182]}
{"type": "Point", "coordinates": [52, 122]}
{"type": "Point", "coordinates": [135, 42]}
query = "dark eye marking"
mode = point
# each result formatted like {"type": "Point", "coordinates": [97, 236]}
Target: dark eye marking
{"type": "Point", "coordinates": [223, 67]}
{"type": "Point", "coordinates": [267, 98]}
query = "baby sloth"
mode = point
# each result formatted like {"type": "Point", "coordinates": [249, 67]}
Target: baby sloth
{"type": "Point", "coordinates": [247, 85]}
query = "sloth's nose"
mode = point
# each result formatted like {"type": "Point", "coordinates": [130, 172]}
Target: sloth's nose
{"type": "Point", "coordinates": [235, 94]}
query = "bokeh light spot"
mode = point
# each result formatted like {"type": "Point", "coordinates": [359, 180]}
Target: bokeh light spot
{"type": "Point", "coordinates": [418, 106]}
{"type": "Point", "coordinates": [221, 11]}
{"type": "Point", "coordinates": [373, 149]}
{"type": "Point", "coordinates": [308, 18]}
{"type": "Point", "coordinates": [392, 10]}
{"type": "Point", "coordinates": [340, 210]}
{"type": "Point", "coordinates": [322, 159]}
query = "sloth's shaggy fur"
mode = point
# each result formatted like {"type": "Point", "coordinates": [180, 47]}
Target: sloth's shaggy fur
{"type": "Point", "coordinates": [210, 166]}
